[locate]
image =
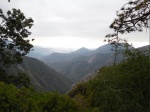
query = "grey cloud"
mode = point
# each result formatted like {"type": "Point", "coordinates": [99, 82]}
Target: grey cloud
{"type": "Point", "coordinates": [71, 18]}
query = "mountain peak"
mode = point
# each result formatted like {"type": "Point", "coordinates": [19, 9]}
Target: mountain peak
{"type": "Point", "coordinates": [81, 51]}
{"type": "Point", "coordinates": [104, 49]}
{"type": "Point", "coordinates": [83, 48]}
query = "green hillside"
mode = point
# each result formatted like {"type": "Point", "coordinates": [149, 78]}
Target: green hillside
{"type": "Point", "coordinates": [80, 63]}
{"type": "Point", "coordinates": [77, 68]}
{"type": "Point", "coordinates": [28, 100]}
{"type": "Point", "coordinates": [42, 77]}
{"type": "Point", "coordinates": [123, 88]}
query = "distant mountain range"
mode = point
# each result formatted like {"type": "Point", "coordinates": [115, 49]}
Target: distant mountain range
{"type": "Point", "coordinates": [77, 64]}
{"type": "Point", "coordinates": [57, 57]}
{"type": "Point", "coordinates": [42, 77]}
{"type": "Point", "coordinates": [82, 62]}
{"type": "Point", "coordinates": [39, 52]}
{"type": "Point", "coordinates": [144, 47]}
{"type": "Point", "coordinates": [69, 67]}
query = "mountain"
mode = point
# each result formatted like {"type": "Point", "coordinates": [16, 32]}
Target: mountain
{"type": "Point", "coordinates": [39, 52]}
{"type": "Point", "coordinates": [124, 87]}
{"type": "Point", "coordinates": [144, 47]}
{"type": "Point", "coordinates": [57, 57]}
{"type": "Point", "coordinates": [81, 52]}
{"type": "Point", "coordinates": [77, 64]}
{"type": "Point", "coordinates": [42, 77]}
{"type": "Point", "coordinates": [105, 49]}
{"type": "Point", "coordinates": [75, 69]}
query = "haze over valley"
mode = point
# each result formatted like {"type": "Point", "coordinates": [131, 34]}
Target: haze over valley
{"type": "Point", "coordinates": [75, 56]}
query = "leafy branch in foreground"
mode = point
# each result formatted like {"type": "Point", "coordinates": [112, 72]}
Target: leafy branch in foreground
{"type": "Point", "coordinates": [123, 88]}
{"type": "Point", "coordinates": [133, 16]}
{"type": "Point", "coordinates": [14, 43]}
{"type": "Point", "coordinates": [14, 30]}
{"type": "Point", "coordinates": [28, 100]}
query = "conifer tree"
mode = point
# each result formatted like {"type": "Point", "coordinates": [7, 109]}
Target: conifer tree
{"type": "Point", "coordinates": [133, 16]}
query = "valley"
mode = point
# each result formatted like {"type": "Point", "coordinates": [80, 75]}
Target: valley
{"type": "Point", "coordinates": [62, 70]}
{"type": "Point", "coordinates": [42, 77]}
{"type": "Point", "coordinates": [76, 65]}
{"type": "Point", "coordinates": [60, 56]}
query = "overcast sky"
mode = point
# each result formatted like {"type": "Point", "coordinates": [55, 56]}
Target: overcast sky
{"type": "Point", "coordinates": [72, 23]}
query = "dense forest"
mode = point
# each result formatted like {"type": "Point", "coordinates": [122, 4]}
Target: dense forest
{"type": "Point", "coordinates": [123, 87]}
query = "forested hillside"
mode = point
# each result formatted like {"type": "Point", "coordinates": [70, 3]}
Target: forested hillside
{"type": "Point", "coordinates": [42, 77]}
{"type": "Point", "coordinates": [121, 82]}
{"type": "Point", "coordinates": [77, 68]}
{"type": "Point", "coordinates": [125, 88]}
{"type": "Point", "coordinates": [80, 63]}
{"type": "Point", "coordinates": [28, 100]}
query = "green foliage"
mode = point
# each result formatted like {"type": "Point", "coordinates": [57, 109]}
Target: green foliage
{"type": "Point", "coordinates": [133, 16]}
{"type": "Point", "coordinates": [124, 88]}
{"type": "Point", "coordinates": [79, 88]}
{"type": "Point", "coordinates": [14, 31]}
{"type": "Point", "coordinates": [14, 43]}
{"type": "Point", "coordinates": [28, 100]}
{"type": "Point", "coordinates": [78, 93]}
{"type": "Point", "coordinates": [19, 80]}
{"type": "Point", "coordinates": [57, 103]}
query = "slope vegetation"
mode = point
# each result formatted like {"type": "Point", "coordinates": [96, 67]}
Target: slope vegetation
{"type": "Point", "coordinates": [77, 68]}
{"type": "Point", "coordinates": [42, 77]}
{"type": "Point", "coordinates": [80, 63]}
{"type": "Point", "coordinates": [123, 88]}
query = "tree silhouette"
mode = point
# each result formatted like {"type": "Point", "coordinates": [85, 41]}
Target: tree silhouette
{"type": "Point", "coordinates": [14, 31]}
{"type": "Point", "coordinates": [14, 43]}
{"type": "Point", "coordinates": [133, 16]}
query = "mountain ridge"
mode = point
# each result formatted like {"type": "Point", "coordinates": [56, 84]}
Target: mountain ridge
{"type": "Point", "coordinates": [43, 78]}
{"type": "Point", "coordinates": [57, 57]}
{"type": "Point", "coordinates": [79, 63]}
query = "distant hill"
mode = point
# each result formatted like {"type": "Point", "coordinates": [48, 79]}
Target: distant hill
{"type": "Point", "coordinates": [39, 52]}
{"type": "Point", "coordinates": [144, 47]}
{"type": "Point", "coordinates": [82, 62]}
{"type": "Point", "coordinates": [105, 49]}
{"type": "Point", "coordinates": [42, 77]}
{"type": "Point", "coordinates": [57, 57]}
{"type": "Point", "coordinates": [77, 64]}
{"type": "Point", "coordinates": [81, 52]}
{"type": "Point", "coordinates": [75, 69]}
